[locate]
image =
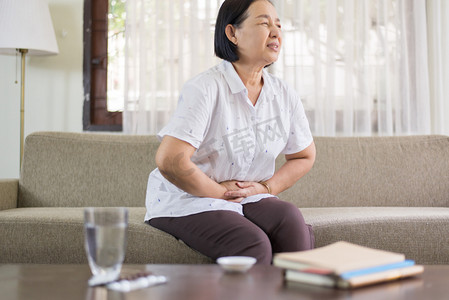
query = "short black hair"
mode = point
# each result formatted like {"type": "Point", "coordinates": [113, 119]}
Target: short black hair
{"type": "Point", "coordinates": [232, 12]}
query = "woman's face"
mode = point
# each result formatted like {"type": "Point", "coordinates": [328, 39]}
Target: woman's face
{"type": "Point", "coordinates": [258, 38]}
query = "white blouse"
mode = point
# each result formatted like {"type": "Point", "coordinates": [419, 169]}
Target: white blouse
{"type": "Point", "coordinates": [234, 139]}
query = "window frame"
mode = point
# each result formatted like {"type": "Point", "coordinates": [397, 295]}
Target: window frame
{"type": "Point", "coordinates": [96, 116]}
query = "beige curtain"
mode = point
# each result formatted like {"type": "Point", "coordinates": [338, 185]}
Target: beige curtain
{"type": "Point", "coordinates": [362, 67]}
{"type": "Point", "coordinates": [167, 42]}
{"type": "Point", "coordinates": [438, 28]}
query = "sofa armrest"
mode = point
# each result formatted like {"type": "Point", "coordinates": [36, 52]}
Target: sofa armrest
{"type": "Point", "coordinates": [9, 191]}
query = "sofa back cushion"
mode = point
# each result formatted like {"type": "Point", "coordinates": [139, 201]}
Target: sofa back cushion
{"type": "Point", "coordinates": [85, 169]}
{"type": "Point", "coordinates": [375, 171]}
{"type": "Point", "coordinates": [89, 169]}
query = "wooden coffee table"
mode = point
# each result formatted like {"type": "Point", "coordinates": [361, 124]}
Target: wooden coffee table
{"type": "Point", "coordinates": [204, 282]}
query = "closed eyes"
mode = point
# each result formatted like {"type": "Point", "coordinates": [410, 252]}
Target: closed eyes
{"type": "Point", "coordinates": [267, 24]}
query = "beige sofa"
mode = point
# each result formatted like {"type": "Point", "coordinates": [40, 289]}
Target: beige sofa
{"type": "Point", "coordinates": [390, 193]}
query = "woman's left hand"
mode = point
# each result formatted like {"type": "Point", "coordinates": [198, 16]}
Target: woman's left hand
{"type": "Point", "coordinates": [246, 189]}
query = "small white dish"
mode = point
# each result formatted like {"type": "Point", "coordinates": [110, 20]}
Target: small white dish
{"type": "Point", "coordinates": [236, 263]}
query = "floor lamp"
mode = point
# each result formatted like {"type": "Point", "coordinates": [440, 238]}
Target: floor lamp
{"type": "Point", "coordinates": [26, 28]}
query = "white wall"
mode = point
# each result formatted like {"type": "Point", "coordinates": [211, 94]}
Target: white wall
{"type": "Point", "coordinates": [53, 87]}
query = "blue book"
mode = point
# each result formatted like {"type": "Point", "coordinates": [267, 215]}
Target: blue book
{"type": "Point", "coordinates": [336, 281]}
{"type": "Point", "coordinates": [366, 271]}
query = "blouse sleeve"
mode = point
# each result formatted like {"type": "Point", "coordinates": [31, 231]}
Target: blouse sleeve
{"type": "Point", "coordinates": [191, 117]}
{"type": "Point", "coordinates": [299, 136]}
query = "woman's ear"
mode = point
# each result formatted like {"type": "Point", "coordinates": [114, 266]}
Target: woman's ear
{"type": "Point", "coordinates": [230, 34]}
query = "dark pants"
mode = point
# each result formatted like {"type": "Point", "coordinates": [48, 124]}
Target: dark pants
{"type": "Point", "coordinates": [269, 226]}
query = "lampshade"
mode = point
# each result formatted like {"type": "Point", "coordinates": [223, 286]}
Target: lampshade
{"type": "Point", "coordinates": [26, 24]}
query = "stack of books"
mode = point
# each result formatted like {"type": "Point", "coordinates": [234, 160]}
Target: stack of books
{"type": "Point", "coordinates": [345, 265]}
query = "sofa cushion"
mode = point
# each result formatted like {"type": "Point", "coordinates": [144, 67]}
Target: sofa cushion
{"type": "Point", "coordinates": [418, 232]}
{"type": "Point", "coordinates": [376, 171]}
{"type": "Point", "coordinates": [56, 235]}
{"type": "Point", "coordinates": [69, 169]}
{"type": "Point", "coordinates": [73, 170]}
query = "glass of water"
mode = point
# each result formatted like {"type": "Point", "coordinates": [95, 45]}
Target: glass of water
{"type": "Point", "coordinates": [105, 241]}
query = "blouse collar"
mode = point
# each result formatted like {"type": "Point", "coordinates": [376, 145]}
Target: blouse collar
{"type": "Point", "coordinates": [236, 85]}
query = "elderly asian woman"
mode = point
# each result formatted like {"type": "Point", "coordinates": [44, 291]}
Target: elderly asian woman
{"type": "Point", "coordinates": [215, 185]}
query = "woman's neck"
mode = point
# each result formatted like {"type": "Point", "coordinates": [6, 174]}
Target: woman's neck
{"type": "Point", "coordinates": [250, 76]}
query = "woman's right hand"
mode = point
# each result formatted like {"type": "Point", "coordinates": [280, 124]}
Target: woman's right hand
{"type": "Point", "coordinates": [231, 185]}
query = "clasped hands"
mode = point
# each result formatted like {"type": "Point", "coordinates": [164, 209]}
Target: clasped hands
{"type": "Point", "coordinates": [236, 191]}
